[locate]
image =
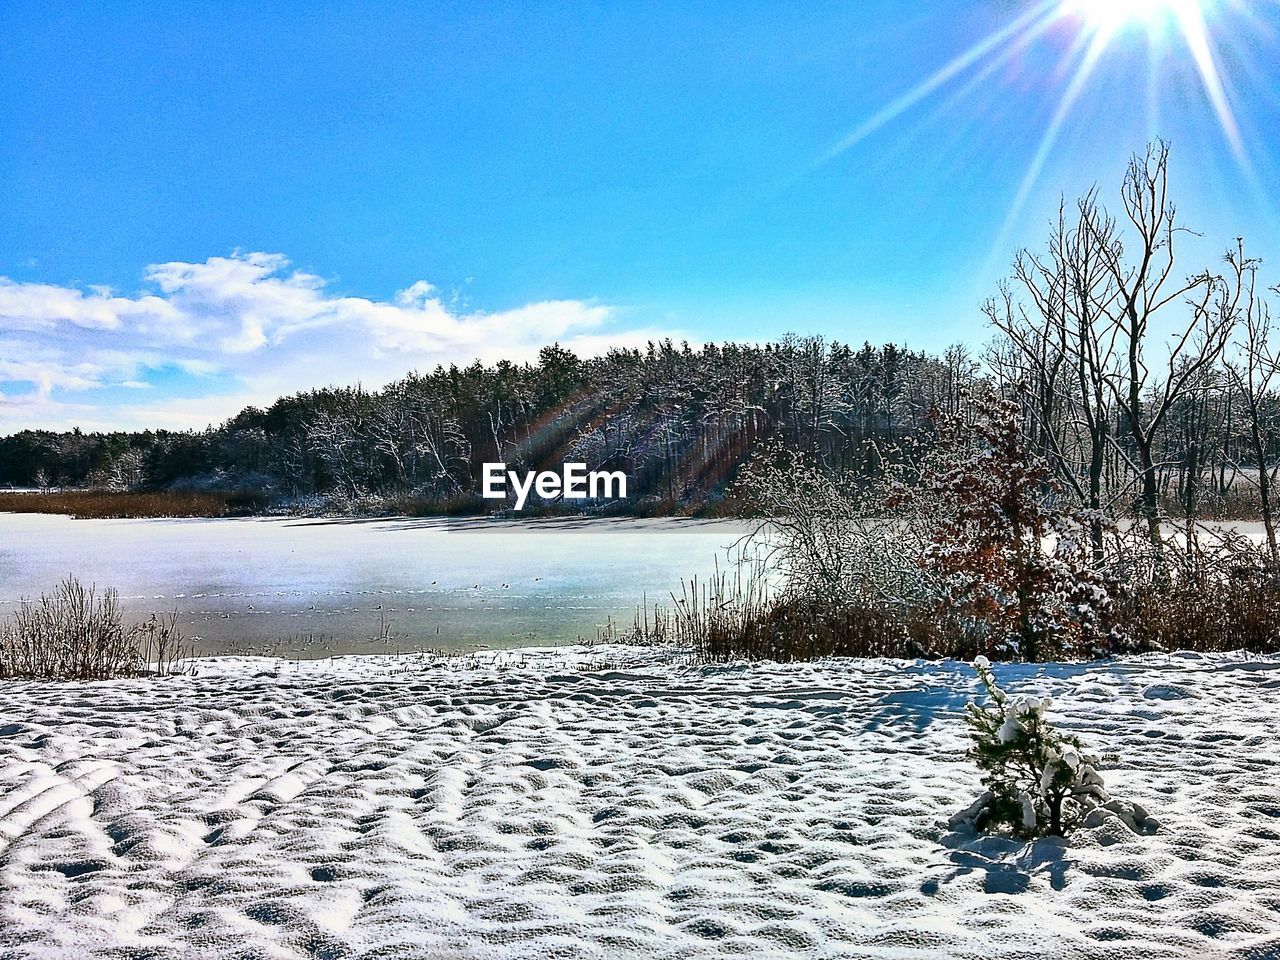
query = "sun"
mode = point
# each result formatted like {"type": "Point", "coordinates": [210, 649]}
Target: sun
{"type": "Point", "coordinates": [1109, 16]}
{"type": "Point", "coordinates": [1097, 28]}
{"type": "Point", "coordinates": [1101, 22]}
{"type": "Point", "coordinates": [1094, 30]}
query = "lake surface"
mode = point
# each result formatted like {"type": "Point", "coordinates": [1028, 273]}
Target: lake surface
{"type": "Point", "coordinates": [305, 587]}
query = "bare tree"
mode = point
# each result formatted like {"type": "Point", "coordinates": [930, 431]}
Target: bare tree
{"type": "Point", "coordinates": [1063, 349]}
{"type": "Point", "coordinates": [1252, 368]}
{"type": "Point", "coordinates": [1084, 339]}
{"type": "Point", "coordinates": [1147, 287]}
{"type": "Point", "coordinates": [335, 440]}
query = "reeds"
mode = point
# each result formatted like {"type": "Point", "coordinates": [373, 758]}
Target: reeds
{"type": "Point", "coordinates": [1240, 611]}
{"type": "Point", "coordinates": [75, 634]}
{"type": "Point", "coordinates": [738, 618]}
{"type": "Point", "coordinates": [107, 504]}
{"type": "Point", "coordinates": [160, 644]}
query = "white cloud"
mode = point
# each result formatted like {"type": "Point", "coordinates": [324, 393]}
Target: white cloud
{"type": "Point", "coordinates": [42, 306]}
{"type": "Point", "coordinates": [246, 329]}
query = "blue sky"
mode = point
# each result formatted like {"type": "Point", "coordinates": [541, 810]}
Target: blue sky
{"type": "Point", "coordinates": [209, 204]}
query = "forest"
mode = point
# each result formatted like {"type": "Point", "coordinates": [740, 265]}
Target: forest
{"type": "Point", "coordinates": [680, 422]}
{"type": "Point", "coordinates": [1149, 391]}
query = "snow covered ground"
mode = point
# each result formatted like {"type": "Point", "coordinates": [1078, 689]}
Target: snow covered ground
{"type": "Point", "coordinates": [606, 802]}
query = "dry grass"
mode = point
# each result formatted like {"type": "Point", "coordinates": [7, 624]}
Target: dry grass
{"type": "Point", "coordinates": [737, 618]}
{"type": "Point", "coordinates": [103, 504]}
{"type": "Point", "coordinates": [1240, 611]}
{"type": "Point", "coordinates": [75, 634]}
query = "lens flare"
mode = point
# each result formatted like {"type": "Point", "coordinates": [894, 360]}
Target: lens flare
{"type": "Point", "coordinates": [1097, 27]}
{"type": "Point", "coordinates": [1108, 16]}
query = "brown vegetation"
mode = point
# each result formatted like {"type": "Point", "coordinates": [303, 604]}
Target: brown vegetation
{"type": "Point", "coordinates": [1239, 612]}
{"type": "Point", "coordinates": [76, 634]}
{"type": "Point", "coordinates": [995, 571]}
{"type": "Point", "coordinates": [103, 504]}
{"type": "Point", "coordinates": [724, 620]}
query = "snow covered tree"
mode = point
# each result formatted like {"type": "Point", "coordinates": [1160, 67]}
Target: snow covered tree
{"type": "Point", "coordinates": [1010, 557]}
{"type": "Point", "coordinates": [1039, 781]}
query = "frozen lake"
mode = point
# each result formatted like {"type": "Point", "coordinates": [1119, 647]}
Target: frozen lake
{"type": "Point", "coordinates": [314, 587]}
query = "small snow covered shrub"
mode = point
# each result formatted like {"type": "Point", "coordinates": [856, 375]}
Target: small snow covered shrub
{"type": "Point", "coordinates": [1039, 781]}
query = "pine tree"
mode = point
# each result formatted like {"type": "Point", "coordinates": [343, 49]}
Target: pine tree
{"type": "Point", "coordinates": [1038, 780]}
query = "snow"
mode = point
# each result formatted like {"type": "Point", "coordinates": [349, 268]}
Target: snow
{"type": "Point", "coordinates": [588, 802]}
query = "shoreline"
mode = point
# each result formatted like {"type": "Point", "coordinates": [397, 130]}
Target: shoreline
{"type": "Point", "coordinates": [90, 504]}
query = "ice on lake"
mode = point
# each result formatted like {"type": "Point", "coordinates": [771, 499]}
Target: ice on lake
{"type": "Point", "coordinates": [315, 587]}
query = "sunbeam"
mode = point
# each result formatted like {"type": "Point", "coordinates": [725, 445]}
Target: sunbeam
{"type": "Point", "coordinates": [1195, 31]}
{"type": "Point", "coordinates": [1097, 45]}
{"type": "Point", "coordinates": [1031, 24]}
{"type": "Point", "coordinates": [1098, 27]}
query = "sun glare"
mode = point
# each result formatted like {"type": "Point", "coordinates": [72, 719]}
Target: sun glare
{"type": "Point", "coordinates": [1187, 19]}
{"type": "Point", "coordinates": [1109, 16]}
{"type": "Point", "coordinates": [1188, 30]}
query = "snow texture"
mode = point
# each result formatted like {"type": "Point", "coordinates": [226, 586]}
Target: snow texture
{"type": "Point", "coordinates": [608, 802]}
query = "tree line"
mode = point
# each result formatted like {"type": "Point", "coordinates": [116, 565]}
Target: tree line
{"type": "Point", "coordinates": [679, 422]}
{"type": "Point", "coordinates": [1151, 392]}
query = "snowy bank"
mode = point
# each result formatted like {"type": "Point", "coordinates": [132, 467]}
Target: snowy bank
{"type": "Point", "coordinates": [605, 802]}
